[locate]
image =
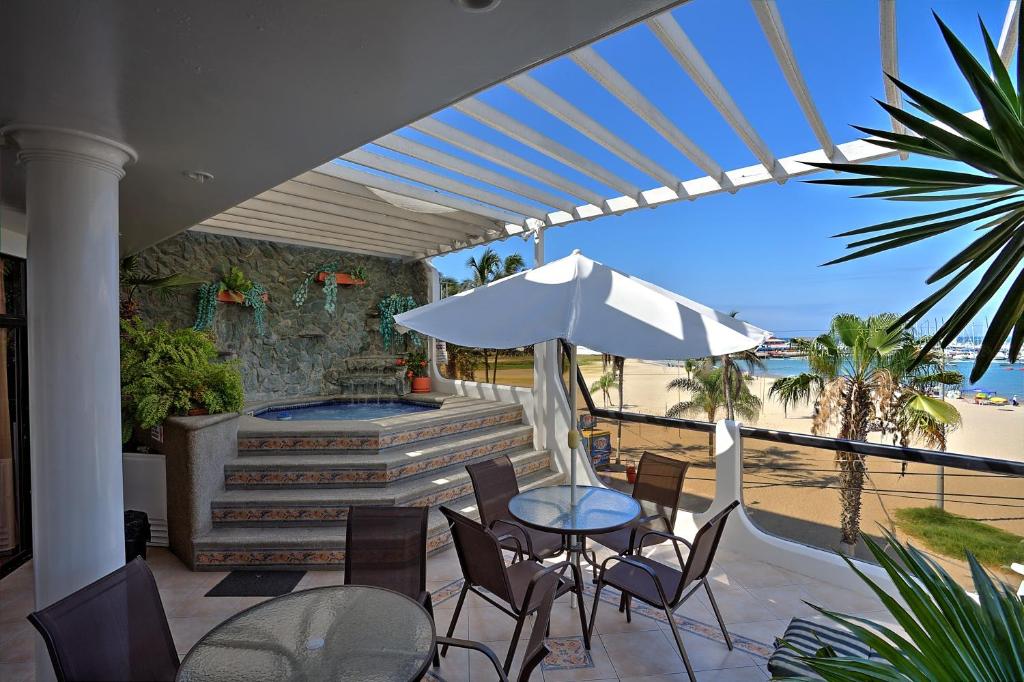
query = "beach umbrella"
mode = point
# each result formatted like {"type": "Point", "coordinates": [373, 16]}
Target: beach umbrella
{"type": "Point", "coordinates": [584, 303]}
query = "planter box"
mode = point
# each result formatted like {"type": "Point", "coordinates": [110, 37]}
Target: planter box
{"type": "Point", "coordinates": [342, 278]}
{"type": "Point", "coordinates": [145, 490]}
{"type": "Point", "coordinates": [236, 296]}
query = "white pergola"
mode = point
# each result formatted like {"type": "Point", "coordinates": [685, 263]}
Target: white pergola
{"type": "Point", "coordinates": [390, 205]}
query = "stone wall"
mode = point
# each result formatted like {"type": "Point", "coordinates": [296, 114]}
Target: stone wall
{"type": "Point", "coordinates": [301, 344]}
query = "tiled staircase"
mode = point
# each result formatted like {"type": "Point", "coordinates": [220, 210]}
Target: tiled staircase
{"type": "Point", "coordinates": [285, 499]}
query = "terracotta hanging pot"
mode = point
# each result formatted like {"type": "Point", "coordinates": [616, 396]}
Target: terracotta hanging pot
{"type": "Point", "coordinates": [342, 278]}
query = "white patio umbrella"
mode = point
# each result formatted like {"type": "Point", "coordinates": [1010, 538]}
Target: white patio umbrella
{"type": "Point", "coordinates": [585, 303]}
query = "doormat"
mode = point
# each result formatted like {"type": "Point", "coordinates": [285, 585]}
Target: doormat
{"type": "Point", "coordinates": [256, 584]}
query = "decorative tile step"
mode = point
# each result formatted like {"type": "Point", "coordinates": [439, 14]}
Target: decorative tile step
{"type": "Point", "coordinates": [313, 548]}
{"type": "Point", "coordinates": [327, 506]}
{"type": "Point", "coordinates": [458, 416]}
{"type": "Point", "coordinates": [385, 469]}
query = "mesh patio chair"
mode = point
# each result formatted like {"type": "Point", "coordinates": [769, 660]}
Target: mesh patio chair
{"type": "Point", "coordinates": [113, 629]}
{"type": "Point", "coordinates": [659, 482]}
{"type": "Point", "coordinates": [664, 586]}
{"type": "Point", "coordinates": [387, 547]}
{"type": "Point", "coordinates": [536, 649]}
{"type": "Point", "coordinates": [494, 484]}
{"type": "Point", "coordinates": [517, 589]}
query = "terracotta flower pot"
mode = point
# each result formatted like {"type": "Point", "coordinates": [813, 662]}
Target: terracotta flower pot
{"type": "Point", "coordinates": [341, 278]}
{"type": "Point", "coordinates": [631, 473]}
{"type": "Point", "coordinates": [421, 384]}
{"type": "Point", "coordinates": [236, 296]}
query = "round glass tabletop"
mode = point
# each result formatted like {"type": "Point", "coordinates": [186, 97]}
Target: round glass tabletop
{"type": "Point", "coordinates": [344, 632]}
{"type": "Point", "coordinates": [597, 510]}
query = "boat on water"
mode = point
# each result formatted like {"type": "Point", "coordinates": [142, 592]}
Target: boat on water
{"type": "Point", "coordinates": [775, 347]}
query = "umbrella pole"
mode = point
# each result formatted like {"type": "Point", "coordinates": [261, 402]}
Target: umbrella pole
{"type": "Point", "coordinates": [574, 435]}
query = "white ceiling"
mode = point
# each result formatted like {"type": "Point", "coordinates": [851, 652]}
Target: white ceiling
{"type": "Point", "coordinates": [259, 92]}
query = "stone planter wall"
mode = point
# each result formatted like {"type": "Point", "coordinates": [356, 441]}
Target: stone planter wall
{"type": "Point", "coordinates": [301, 344]}
{"type": "Point", "coordinates": [195, 450]}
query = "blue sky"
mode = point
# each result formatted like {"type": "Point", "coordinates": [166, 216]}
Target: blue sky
{"type": "Point", "coordinates": [757, 251]}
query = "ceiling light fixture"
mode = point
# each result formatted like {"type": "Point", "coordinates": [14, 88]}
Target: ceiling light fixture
{"type": "Point", "coordinates": [477, 5]}
{"type": "Point", "coordinates": [198, 176]}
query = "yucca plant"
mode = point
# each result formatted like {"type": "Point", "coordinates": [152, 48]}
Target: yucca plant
{"type": "Point", "coordinates": [949, 636]}
{"type": "Point", "coordinates": [992, 201]}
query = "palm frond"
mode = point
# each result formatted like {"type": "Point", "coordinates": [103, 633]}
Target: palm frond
{"type": "Point", "coordinates": [991, 193]}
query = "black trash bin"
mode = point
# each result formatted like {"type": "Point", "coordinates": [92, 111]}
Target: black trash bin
{"type": "Point", "coordinates": [136, 534]}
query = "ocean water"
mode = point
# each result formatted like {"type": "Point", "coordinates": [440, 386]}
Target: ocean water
{"type": "Point", "coordinates": [1003, 378]}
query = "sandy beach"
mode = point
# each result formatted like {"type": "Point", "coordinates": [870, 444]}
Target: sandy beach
{"type": "Point", "coordinates": [987, 430]}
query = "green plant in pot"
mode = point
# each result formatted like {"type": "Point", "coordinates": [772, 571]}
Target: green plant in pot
{"type": "Point", "coordinates": [419, 371]}
{"type": "Point", "coordinates": [328, 273]}
{"type": "Point", "coordinates": [233, 287]}
{"type": "Point", "coordinates": [172, 372]}
{"type": "Point", "coordinates": [390, 306]}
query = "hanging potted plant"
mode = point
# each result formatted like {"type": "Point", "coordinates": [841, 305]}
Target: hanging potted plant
{"type": "Point", "coordinates": [232, 287]}
{"type": "Point", "coordinates": [389, 307]}
{"type": "Point", "coordinates": [418, 371]}
{"type": "Point", "coordinates": [320, 274]}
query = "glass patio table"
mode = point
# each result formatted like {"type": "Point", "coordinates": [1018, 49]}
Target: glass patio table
{"type": "Point", "coordinates": [343, 632]}
{"type": "Point", "coordinates": [597, 510]}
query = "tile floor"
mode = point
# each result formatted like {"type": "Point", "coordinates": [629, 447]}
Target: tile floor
{"type": "Point", "coordinates": [757, 601]}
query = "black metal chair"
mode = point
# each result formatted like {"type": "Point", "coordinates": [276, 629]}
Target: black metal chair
{"type": "Point", "coordinates": [517, 590]}
{"type": "Point", "coordinates": [659, 482]}
{"type": "Point", "coordinates": [664, 586]}
{"type": "Point", "coordinates": [494, 484]}
{"type": "Point", "coordinates": [536, 649]}
{"type": "Point", "coordinates": [387, 547]}
{"type": "Point", "coordinates": [112, 629]}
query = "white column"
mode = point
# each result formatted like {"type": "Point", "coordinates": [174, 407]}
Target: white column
{"type": "Point", "coordinates": [74, 384]}
{"type": "Point", "coordinates": [545, 374]}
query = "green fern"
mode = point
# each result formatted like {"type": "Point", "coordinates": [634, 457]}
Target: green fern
{"type": "Point", "coordinates": [167, 372]}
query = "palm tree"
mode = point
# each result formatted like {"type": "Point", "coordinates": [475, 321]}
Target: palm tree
{"type": "Point", "coordinates": [863, 371]}
{"type": "Point", "coordinates": [988, 184]}
{"type": "Point", "coordinates": [510, 265]}
{"type": "Point", "coordinates": [734, 378]}
{"type": "Point", "coordinates": [619, 366]}
{"type": "Point", "coordinates": [604, 383]}
{"type": "Point", "coordinates": [707, 396]}
{"type": "Point", "coordinates": [449, 286]}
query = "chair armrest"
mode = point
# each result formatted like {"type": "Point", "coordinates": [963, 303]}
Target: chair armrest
{"type": "Point", "coordinates": [560, 566]}
{"type": "Point", "coordinates": [667, 536]}
{"type": "Point", "coordinates": [639, 523]}
{"type": "Point", "coordinates": [626, 559]}
{"type": "Point", "coordinates": [475, 646]}
{"type": "Point", "coordinates": [517, 527]}
{"type": "Point", "coordinates": [513, 538]}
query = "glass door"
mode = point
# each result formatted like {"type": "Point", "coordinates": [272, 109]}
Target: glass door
{"type": "Point", "coordinates": [15, 505]}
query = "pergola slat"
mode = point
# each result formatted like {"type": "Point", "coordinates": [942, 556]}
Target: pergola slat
{"type": "Point", "coordinates": [615, 83]}
{"type": "Point", "coordinates": [241, 229]}
{"type": "Point", "coordinates": [359, 196]}
{"type": "Point", "coordinates": [509, 126]}
{"type": "Point", "coordinates": [417, 150]}
{"type": "Point", "coordinates": [1008, 36]}
{"type": "Point", "coordinates": [768, 16]}
{"type": "Point", "coordinates": [422, 194]}
{"type": "Point", "coordinates": [281, 221]}
{"type": "Point", "coordinates": [890, 60]}
{"type": "Point", "coordinates": [379, 162]}
{"type": "Point", "coordinates": [503, 157]}
{"type": "Point", "coordinates": [330, 204]}
{"type": "Point", "coordinates": [556, 105]}
{"type": "Point", "coordinates": [314, 216]}
{"type": "Point", "coordinates": [682, 49]}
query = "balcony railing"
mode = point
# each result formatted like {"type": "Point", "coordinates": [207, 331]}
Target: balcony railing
{"type": "Point", "coordinates": [792, 488]}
